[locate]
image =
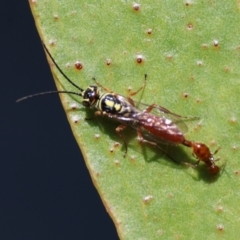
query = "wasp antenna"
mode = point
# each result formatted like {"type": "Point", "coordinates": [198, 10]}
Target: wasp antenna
{"type": "Point", "coordinates": [60, 70]}
{"type": "Point", "coordinates": [48, 92]}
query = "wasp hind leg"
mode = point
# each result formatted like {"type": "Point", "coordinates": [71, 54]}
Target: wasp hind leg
{"type": "Point", "coordinates": [141, 139]}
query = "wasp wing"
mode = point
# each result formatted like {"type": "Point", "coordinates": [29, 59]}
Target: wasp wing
{"type": "Point", "coordinates": [162, 112]}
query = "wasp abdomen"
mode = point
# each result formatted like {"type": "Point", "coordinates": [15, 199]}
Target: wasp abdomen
{"type": "Point", "coordinates": [161, 127]}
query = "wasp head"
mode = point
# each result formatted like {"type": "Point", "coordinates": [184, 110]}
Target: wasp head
{"type": "Point", "coordinates": [90, 96]}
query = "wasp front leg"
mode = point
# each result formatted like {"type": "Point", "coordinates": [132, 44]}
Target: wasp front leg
{"type": "Point", "coordinates": [118, 130]}
{"type": "Point", "coordinates": [129, 97]}
{"type": "Point", "coordinates": [100, 113]}
{"type": "Point", "coordinates": [96, 114]}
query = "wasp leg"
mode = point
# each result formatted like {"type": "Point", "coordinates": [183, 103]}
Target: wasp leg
{"type": "Point", "coordinates": [142, 87]}
{"type": "Point", "coordinates": [119, 129]}
{"type": "Point", "coordinates": [192, 165]}
{"type": "Point", "coordinates": [136, 92]}
{"type": "Point", "coordinates": [130, 95]}
{"type": "Point", "coordinates": [216, 151]}
{"type": "Point", "coordinates": [163, 109]}
{"type": "Point", "coordinates": [101, 86]}
{"type": "Point", "coordinates": [88, 119]}
{"type": "Point", "coordinates": [150, 108]}
{"type": "Point", "coordinates": [215, 160]}
{"type": "Point", "coordinates": [101, 113]}
{"type": "Point", "coordinates": [143, 140]}
{"type": "Point", "coordinates": [96, 113]}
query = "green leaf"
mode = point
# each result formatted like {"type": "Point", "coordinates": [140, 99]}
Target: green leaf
{"type": "Point", "coordinates": [190, 51]}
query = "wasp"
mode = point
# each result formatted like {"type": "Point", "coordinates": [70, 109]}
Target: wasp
{"type": "Point", "coordinates": [167, 128]}
{"type": "Point", "coordinates": [150, 127]}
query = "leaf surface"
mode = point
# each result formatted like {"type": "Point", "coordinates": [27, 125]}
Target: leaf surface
{"type": "Point", "coordinates": [190, 51]}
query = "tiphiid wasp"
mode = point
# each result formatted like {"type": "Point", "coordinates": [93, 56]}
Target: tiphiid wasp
{"type": "Point", "coordinates": [163, 126]}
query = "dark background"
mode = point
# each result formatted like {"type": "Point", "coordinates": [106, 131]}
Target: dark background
{"type": "Point", "coordinates": [45, 189]}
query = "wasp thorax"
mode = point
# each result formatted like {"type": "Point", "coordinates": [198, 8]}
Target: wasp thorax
{"type": "Point", "coordinates": [90, 96]}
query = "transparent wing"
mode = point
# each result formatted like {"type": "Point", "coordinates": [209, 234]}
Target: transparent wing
{"type": "Point", "coordinates": [131, 122]}
{"type": "Point", "coordinates": [137, 116]}
{"type": "Point", "coordinates": [160, 111]}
